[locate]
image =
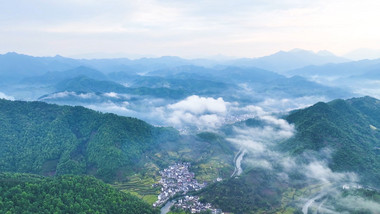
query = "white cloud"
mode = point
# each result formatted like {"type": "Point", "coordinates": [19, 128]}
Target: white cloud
{"type": "Point", "coordinates": [4, 96]}
{"type": "Point", "coordinates": [288, 104]}
{"type": "Point", "coordinates": [111, 94]}
{"type": "Point", "coordinates": [65, 94]}
{"type": "Point", "coordinates": [201, 112]}
{"type": "Point", "coordinates": [201, 105]}
{"type": "Point", "coordinates": [357, 203]}
{"type": "Point", "coordinates": [112, 107]}
{"type": "Point", "coordinates": [320, 171]}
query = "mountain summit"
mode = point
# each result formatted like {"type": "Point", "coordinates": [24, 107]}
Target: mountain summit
{"type": "Point", "coordinates": [287, 60]}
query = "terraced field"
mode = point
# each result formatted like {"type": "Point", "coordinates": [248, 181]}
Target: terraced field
{"type": "Point", "coordinates": [141, 187]}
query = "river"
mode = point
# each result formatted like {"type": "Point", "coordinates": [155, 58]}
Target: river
{"type": "Point", "coordinates": [238, 158]}
{"type": "Point", "coordinates": [325, 191]}
{"type": "Point", "coordinates": [165, 209]}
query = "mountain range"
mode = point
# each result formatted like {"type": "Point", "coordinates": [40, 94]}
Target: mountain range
{"type": "Point", "coordinates": [234, 128]}
{"type": "Point", "coordinates": [51, 140]}
{"type": "Point", "coordinates": [16, 65]}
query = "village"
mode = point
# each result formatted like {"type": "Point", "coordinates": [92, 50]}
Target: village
{"type": "Point", "coordinates": [177, 180]}
{"type": "Point", "coordinates": [192, 204]}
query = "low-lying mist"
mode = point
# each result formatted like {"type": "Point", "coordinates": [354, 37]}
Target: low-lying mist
{"type": "Point", "coordinates": [192, 114]}
{"type": "Point", "coordinates": [256, 128]}
{"type": "Point", "coordinates": [259, 139]}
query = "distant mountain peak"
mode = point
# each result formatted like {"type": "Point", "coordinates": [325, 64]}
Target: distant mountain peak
{"type": "Point", "coordinates": [58, 56]}
{"type": "Point", "coordinates": [13, 54]}
{"type": "Point", "coordinates": [283, 61]}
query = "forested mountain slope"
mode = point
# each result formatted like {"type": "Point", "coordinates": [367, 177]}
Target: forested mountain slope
{"type": "Point", "coordinates": [27, 193]}
{"type": "Point", "coordinates": [48, 139]}
{"type": "Point", "coordinates": [349, 128]}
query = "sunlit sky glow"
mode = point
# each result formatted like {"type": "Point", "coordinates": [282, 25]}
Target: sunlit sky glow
{"type": "Point", "coordinates": [196, 28]}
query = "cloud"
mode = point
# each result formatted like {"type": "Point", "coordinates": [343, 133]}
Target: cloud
{"type": "Point", "coordinates": [200, 112]}
{"type": "Point", "coordinates": [111, 94]}
{"type": "Point", "coordinates": [194, 113]}
{"type": "Point", "coordinates": [4, 96]}
{"type": "Point", "coordinates": [201, 105]}
{"type": "Point", "coordinates": [320, 171]}
{"type": "Point", "coordinates": [66, 94]}
{"type": "Point", "coordinates": [186, 28]}
{"type": "Point", "coordinates": [357, 203]}
{"type": "Point", "coordinates": [111, 107]}
{"type": "Point", "coordinates": [258, 141]}
{"type": "Point", "coordinates": [311, 168]}
{"type": "Point", "coordinates": [207, 113]}
{"type": "Point", "coordinates": [288, 104]}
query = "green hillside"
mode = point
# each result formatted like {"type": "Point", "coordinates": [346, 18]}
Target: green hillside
{"type": "Point", "coordinates": [255, 191]}
{"type": "Point", "coordinates": [348, 128]}
{"type": "Point", "coordinates": [48, 139]}
{"type": "Point", "coordinates": [27, 193]}
{"type": "Point", "coordinates": [52, 140]}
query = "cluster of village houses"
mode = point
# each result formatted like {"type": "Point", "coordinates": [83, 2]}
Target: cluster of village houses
{"type": "Point", "coordinates": [178, 180]}
{"type": "Point", "coordinates": [193, 204]}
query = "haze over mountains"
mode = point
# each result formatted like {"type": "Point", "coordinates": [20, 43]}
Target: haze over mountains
{"type": "Point", "coordinates": [286, 122]}
{"type": "Point", "coordinates": [278, 62]}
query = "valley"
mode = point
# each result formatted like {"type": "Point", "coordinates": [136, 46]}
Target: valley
{"type": "Point", "coordinates": [185, 137]}
{"type": "Point", "coordinates": [179, 107]}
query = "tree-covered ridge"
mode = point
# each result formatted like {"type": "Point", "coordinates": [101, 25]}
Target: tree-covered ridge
{"type": "Point", "coordinates": [27, 193]}
{"type": "Point", "coordinates": [48, 139]}
{"type": "Point", "coordinates": [87, 85]}
{"type": "Point", "coordinates": [255, 191]}
{"type": "Point", "coordinates": [349, 128]}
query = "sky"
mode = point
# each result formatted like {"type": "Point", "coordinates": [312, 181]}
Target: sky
{"type": "Point", "coordinates": [186, 28]}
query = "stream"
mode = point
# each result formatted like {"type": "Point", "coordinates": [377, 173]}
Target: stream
{"type": "Point", "coordinates": [325, 191]}
{"type": "Point", "coordinates": [165, 209]}
{"type": "Point", "coordinates": [238, 158]}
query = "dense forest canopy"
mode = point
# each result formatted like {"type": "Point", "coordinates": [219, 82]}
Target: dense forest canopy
{"type": "Point", "coordinates": [349, 128]}
{"type": "Point", "coordinates": [54, 140]}
{"type": "Point", "coordinates": [27, 193]}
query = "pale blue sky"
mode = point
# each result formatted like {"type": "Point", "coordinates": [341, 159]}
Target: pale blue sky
{"type": "Point", "coordinates": [187, 28]}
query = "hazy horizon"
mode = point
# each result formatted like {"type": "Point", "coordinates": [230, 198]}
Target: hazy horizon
{"type": "Point", "coordinates": [196, 29]}
{"type": "Point", "coordinates": [357, 54]}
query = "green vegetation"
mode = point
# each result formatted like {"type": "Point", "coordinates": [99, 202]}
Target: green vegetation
{"type": "Point", "coordinates": [344, 127]}
{"type": "Point", "coordinates": [28, 193]}
{"type": "Point", "coordinates": [54, 140]}
{"type": "Point", "coordinates": [141, 187]}
{"type": "Point", "coordinates": [210, 155]}
{"type": "Point", "coordinates": [349, 129]}
{"type": "Point", "coordinates": [47, 139]}
{"type": "Point", "coordinates": [257, 191]}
